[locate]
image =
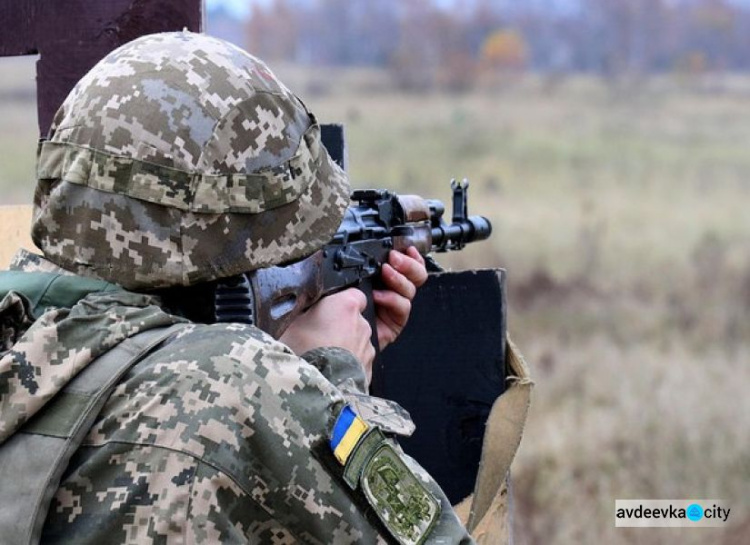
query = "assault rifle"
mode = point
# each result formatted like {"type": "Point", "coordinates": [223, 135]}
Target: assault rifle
{"type": "Point", "coordinates": [380, 221]}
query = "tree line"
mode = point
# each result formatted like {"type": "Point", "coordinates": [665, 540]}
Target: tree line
{"type": "Point", "coordinates": [442, 43]}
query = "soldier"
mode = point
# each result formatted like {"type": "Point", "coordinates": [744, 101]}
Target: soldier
{"type": "Point", "coordinates": [176, 161]}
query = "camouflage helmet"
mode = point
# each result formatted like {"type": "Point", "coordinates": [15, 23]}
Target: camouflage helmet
{"type": "Point", "coordinates": [180, 159]}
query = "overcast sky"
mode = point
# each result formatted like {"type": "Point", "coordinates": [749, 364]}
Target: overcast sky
{"type": "Point", "coordinates": [241, 8]}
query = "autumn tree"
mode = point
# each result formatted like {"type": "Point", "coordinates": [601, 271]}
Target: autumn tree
{"type": "Point", "coordinates": [444, 44]}
{"type": "Point", "coordinates": [505, 51]}
{"type": "Point", "coordinates": [273, 31]}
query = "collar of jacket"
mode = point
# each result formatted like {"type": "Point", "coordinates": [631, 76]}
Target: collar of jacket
{"type": "Point", "coordinates": [49, 289]}
{"type": "Point", "coordinates": [43, 284]}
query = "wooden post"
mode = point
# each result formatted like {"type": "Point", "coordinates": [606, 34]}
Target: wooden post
{"type": "Point", "coordinates": [70, 36]}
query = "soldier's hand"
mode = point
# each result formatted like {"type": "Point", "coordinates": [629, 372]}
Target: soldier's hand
{"type": "Point", "coordinates": [335, 320]}
{"type": "Point", "coordinates": [402, 275]}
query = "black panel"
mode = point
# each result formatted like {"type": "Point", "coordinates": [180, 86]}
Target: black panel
{"type": "Point", "coordinates": [332, 135]}
{"type": "Point", "coordinates": [447, 369]}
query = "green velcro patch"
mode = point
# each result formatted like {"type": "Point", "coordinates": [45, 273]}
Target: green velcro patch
{"type": "Point", "coordinates": [361, 455]}
{"type": "Point", "coordinates": [399, 498]}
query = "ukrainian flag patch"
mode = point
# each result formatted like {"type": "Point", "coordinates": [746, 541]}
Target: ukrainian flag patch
{"type": "Point", "coordinates": [347, 432]}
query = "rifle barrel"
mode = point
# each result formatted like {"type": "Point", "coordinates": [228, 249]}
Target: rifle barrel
{"type": "Point", "coordinates": [456, 235]}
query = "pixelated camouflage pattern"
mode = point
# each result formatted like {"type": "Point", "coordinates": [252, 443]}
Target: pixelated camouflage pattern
{"type": "Point", "coordinates": [253, 422]}
{"type": "Point", "coordinates": [24, 260]}
{"type": "Point", "coordinates": [179, 159]}
{"type": "Point", "coordinates": [219, 436]}
{"type": "Point", "coordinates": [376, 411]}
{"type": "Point", "coordinates": [16, 319]}
{"type": "Point", "coordinates": [340, 364]}
{"type": "Point", "coordinates": [50, 351]}
{"type": "Point", "coordinates": [383, 413]}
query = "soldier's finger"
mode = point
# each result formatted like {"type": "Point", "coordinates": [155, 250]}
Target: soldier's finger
{"type": "Point", "coordinates": [412, 252]}
{"type": "Point", "coordinates": [411, 267]}
{"type": "Point", "coordinates": [398, 282]}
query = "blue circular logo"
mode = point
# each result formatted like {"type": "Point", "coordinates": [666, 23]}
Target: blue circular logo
{"type": "Point", "coordinates": [694, 512]}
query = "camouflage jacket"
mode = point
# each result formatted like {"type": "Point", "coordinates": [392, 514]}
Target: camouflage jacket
{"type": "Point", "coordinates": [221, 435]}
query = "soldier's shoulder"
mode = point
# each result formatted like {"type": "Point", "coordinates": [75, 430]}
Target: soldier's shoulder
{"type": "Point", "coordinates": [222, 338]}
{"type": "Point", "coordinates": [213, 392]}
{"type": "Point", "coordinates": [222, 357]}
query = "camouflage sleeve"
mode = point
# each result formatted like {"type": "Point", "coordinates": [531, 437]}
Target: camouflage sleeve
{"type": "Point", "coordinates": [340, 367]}
{"type": "Point", "coordinates": [343, 370]}
{"type": "Point", "coordinates": [223, 435]}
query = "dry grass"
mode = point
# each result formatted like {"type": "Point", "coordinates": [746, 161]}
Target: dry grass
{"type": "Point", "coordinates": [18, 129]}
{"type": "Point", "coordinates": [629, 421]}
{"type": "Point", "coordinates": [621, 216]}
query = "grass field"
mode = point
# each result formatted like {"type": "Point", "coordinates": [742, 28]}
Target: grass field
{"type": "Point", "coordinates": [621, 215]}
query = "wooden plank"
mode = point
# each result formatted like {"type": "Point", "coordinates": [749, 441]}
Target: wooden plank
{"type": "Point", "coordinates": [15, 232]}
{"type": "Point", "coordinates": [71, 36]}
{"type": "Point", "coordinates": [16, 27]}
